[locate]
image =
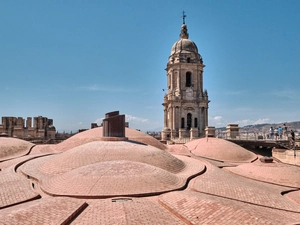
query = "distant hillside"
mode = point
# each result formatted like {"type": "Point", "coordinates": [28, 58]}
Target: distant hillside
{"type": "Point", "coordinates": [266, 126]}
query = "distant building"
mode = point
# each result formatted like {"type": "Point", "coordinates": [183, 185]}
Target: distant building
{"type": "Point", "coordinates": [16, 127]}
{"type": "Point", "coordinates": [186, 102]}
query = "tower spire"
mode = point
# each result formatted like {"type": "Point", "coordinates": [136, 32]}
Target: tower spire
{"type": "Point", "coordinates": [183, 17]}
{"type": "Point", "coordinates": [184, 32]}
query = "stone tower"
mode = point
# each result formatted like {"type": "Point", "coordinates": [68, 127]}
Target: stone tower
{"type": "Point", "coordinates": [186, 102]}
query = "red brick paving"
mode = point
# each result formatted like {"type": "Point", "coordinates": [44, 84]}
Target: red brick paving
{"type": "Point", "coordinates": [38, 149]}
{"type": "Point", "coordinates": [14, 189]}
{"type": "Point", "coordinates": [43, 211]}
{"type": "Point", "coordinates": [218, 182]}
{"type": "Point", "coordinates": [16, 161]}
{"type": "Point", "coordinates": [293, 196]}
{"type": "Point", "coordinates": [135, 211]}
{"type": "Point", "coordinates": [31, 168]}
{"type": "Point", "coordinates": [199, 208]}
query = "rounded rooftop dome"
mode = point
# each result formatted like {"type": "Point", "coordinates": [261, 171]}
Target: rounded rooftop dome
{"type": "Point", "coordinates": [184, 46]}
{"type": "Point", "coordinates": [276, 173]}
{"type": "Point", "coordinates": [97, 133]}
{"type": "Point", "coordinates": [99, 151]}
{"type": "Point", "coordinates": [113, 178]}
{"type": "Point", "coordinates": [13, 147]}
{"type": "Point", "coordinates": [112, 168]}
{"type": "Point", "coordinates": [220, 150]}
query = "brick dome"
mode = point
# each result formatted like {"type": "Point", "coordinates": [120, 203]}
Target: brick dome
{"type": "Point", "coordinates": [13, 147]}
{"type": "Point", "coordinates": [112, 168]}
{"type": "Point", "coordinates": [220, 150]}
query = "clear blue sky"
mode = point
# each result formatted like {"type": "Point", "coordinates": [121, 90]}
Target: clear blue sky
{"type": "Point", "coordinates": [73, 61]}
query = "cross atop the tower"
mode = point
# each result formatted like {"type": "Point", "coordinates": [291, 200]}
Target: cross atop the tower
{"type": "Point", "coordinates": [183, 17]}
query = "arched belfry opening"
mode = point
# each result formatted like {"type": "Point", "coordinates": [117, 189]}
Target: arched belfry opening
{"type": "Point", "coordinates": [185, 104]}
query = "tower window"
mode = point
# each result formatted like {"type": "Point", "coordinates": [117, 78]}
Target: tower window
{"type": "Point", "coordinates": [188, 60]}
{"type": "Point", "coordinates": [196, 122]}
{"type": "Point", "coordinates": [189, 121]}
{"type": "Point", "coordinates": [188, 81]}
{"type": "Point", "coordinates": [182, 122]}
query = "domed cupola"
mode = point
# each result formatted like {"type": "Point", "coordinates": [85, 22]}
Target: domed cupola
{"type": "Point", "coordinates": [184, 45]}
{"type": "Point", "coordinates": [185, 50]}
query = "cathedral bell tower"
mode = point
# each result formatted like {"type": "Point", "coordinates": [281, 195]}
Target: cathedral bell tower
{"type": "Point", "coordinates": [185, 103]}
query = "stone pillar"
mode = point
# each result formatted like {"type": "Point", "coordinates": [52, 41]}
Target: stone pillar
{"type": "Point", "coordinates": [178, 82]}
{"type": "Point", "coordinates": [193, 133]}
{"type": "Point", "coordinates": [10, 126]}
{"type": "Point", "coordinates": [174, 118]}
{"type": "Point", "coordinates": [20, 122]}
{"type": "Point", "coordinates": [171, 80]}
{"type": "Point", "coordinates": [40, 122]}
{"type": "Point", "coordinates": [31, 130]}
{"type": "Point", "coordinates": [203, 119]}
{"type": "Point", "coordinates": [10, 122]}
{"type": "Point", "coordinates": [174, 134]}
{"type": "Point", "coordinates": [2, 130]}
{"type": "Point", "coordinates": [166, 134]}
{"type": "Point", "coordinates": [165, 117]}
{"type": "Point", "coordinates": [4, 122]}
{"type": "Point", "coordinates": [171, 117]}
{"type": "Point", "coordinates": [35, 122]}
{"type": "Point", "coordinates": [29, 122]}
{"type": "Point", "coordinates": [206, 117]}
{"type": "Point", "coordinates": [182, 133]}
{"type": "Point", "coordinates": [232, 131]}
{"type": "Point", "coordinates": [210, 131]}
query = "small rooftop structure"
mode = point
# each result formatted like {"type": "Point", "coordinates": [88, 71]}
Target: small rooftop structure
{"type": "Point", "coordinates": [114, 127]}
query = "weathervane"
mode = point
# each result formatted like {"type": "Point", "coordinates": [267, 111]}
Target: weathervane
{"type": "Point", "coordinates": [183, 17]}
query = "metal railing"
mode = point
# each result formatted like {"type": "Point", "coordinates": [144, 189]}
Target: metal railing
{"type": "Point", "coordinates": [246, 135]}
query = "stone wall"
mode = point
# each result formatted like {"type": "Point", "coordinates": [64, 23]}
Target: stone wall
{"type": "Point", "coordinates": [289, 156]}
{"type": "Point", "coordinates": [15, 127]}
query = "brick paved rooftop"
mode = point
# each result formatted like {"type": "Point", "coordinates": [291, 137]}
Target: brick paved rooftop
{"type": "Point", "coordinates": [85, 180]}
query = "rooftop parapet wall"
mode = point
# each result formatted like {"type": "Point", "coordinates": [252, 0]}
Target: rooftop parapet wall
{"type": "Point", "coordinates": [289, 156]}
